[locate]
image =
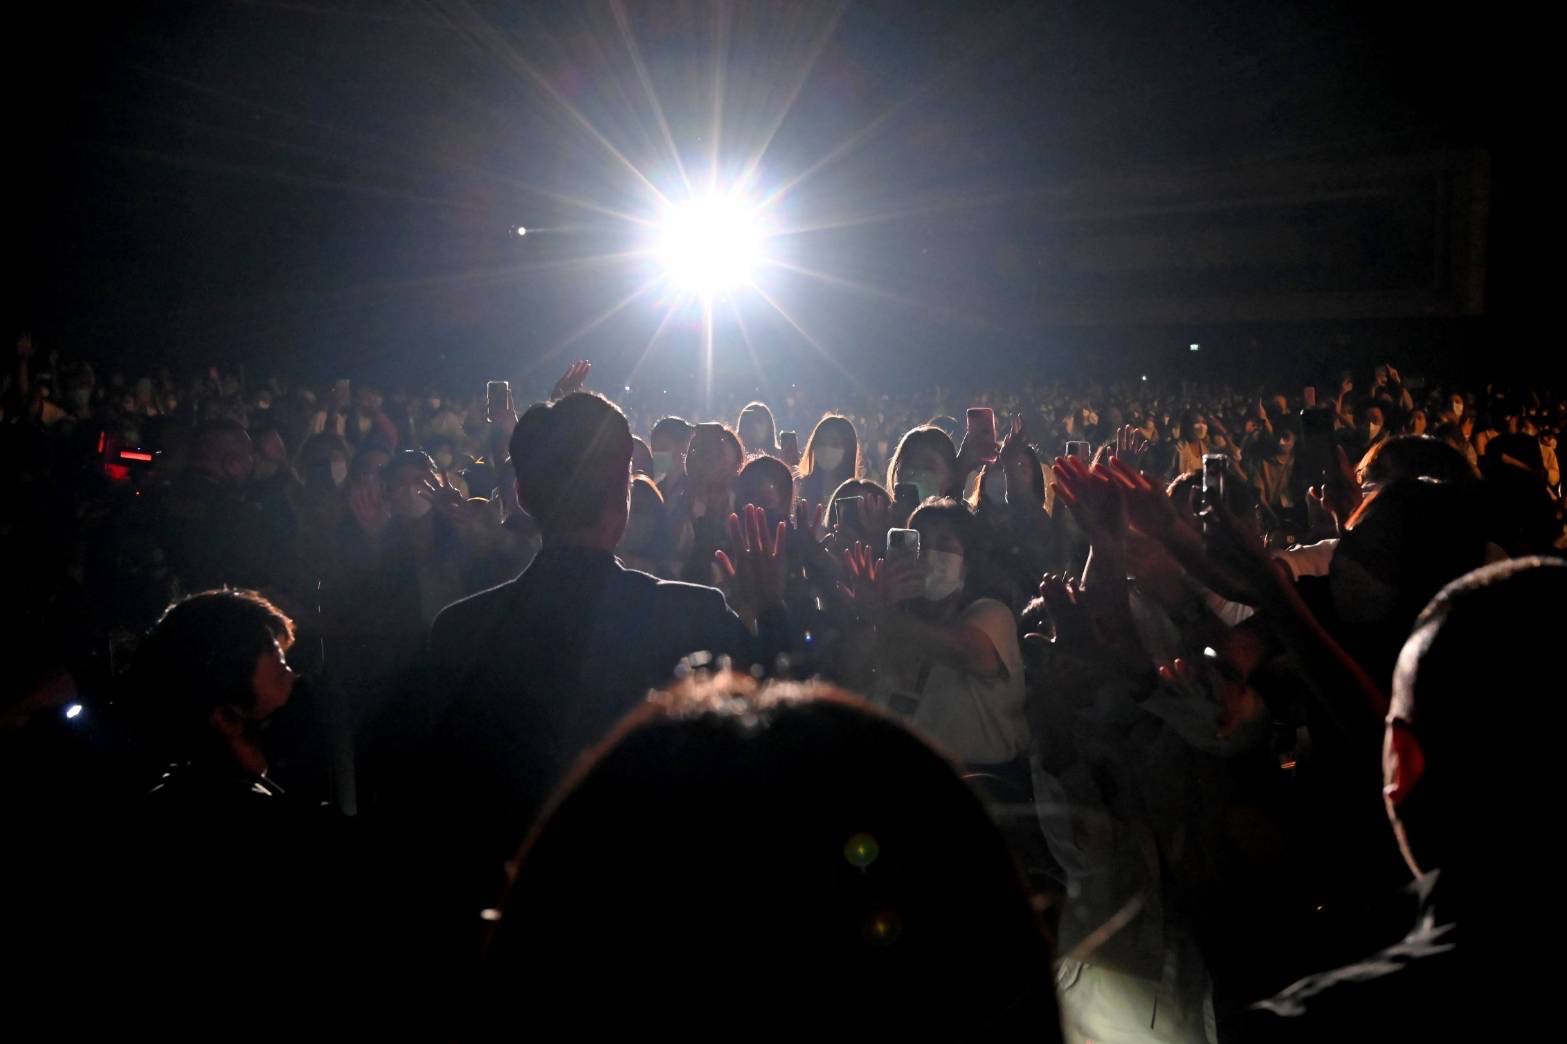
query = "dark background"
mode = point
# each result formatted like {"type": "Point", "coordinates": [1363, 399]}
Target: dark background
{"type": "Point", "coordinates": [325, 187]}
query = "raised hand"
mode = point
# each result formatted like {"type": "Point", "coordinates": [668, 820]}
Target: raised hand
{"type": "Point", "coordinates": [368, 507]}
{"type": "Point", "coordinates": [759, 569]}
{"type": "Point", "coordinates": [1342, 493]}
{"type": "Point", "coordinates": [1237, 703]}
{"type": "Point", "coordinates": [1148, 508]}
{"type": "Point", "coordinates": [976, 450]}
{"type": "Point", "coordinates": [876, 584]}
{"type": "Point", "coordinates": [810, 520]}
{"type": "Point", "coordinates": [1131, 445]}
{"type": "Point", "coordinates": [1093, 498]}
{"type": "Point", "coordinates": [441, 493]}
{"type": "Point", "coordinates": [571, 380]}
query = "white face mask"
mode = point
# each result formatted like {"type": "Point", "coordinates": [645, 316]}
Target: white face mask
{"type": "Point", "coordinates": [995, 489]}
{"type": "Point", "coordinates": [829, 457]}
{"type": "Point", "coordinates": [663, 464]}
{"type": "Point", "coordinates": [943, 574]}
{"type": "Point", "coordinates": [339, 471]}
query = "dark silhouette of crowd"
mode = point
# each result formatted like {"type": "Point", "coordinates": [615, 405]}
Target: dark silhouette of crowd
{"type": "Point", "coordinates": [1093, 712]}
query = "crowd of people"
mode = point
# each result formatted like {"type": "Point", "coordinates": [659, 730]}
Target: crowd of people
{"type": "Point", "coordinates": [1067, 708]}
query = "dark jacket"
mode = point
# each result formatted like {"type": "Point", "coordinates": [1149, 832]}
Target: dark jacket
{"type": "Point", "coordinates": [528, 675]}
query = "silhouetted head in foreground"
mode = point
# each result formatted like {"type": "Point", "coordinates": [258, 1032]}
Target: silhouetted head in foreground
{"type": "Point", "coordinates": [743, 856]}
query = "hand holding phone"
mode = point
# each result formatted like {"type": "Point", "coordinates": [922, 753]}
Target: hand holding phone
{"type": "Point", "coordinates": [903, 545]}
{"type": "Point", "coordinates": [497, 395]}
{"type": "Point", "coordinates": [980, 435]}
{"type": "Point", "coordinates": [1215, 467]}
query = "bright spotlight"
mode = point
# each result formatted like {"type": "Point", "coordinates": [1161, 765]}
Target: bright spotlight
{"type": "Point", "coordinates": [710, 245]}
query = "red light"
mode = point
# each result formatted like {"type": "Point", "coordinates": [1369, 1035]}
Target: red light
{"type": "Point", "coordinates": [135, 455]}
{"type": "Point", "coordinates": [117, 472]}
{"type": "Point", "coordinates": [103, 440]}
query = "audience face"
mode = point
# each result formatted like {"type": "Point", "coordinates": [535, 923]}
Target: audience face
{"type": "Point", "coordinates": [927, 468]}
{"type": "Point", "coordinates": [712, 460]}
{"type": "Point", "coordinates": [271, 685]}
{"type": "Point", "coordinates": [943, 558]}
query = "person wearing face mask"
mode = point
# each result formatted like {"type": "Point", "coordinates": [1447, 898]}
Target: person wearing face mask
{"type": "Point", "coordinates": [643, 545]}
{"type": "Point", "coordinates": [699, 506]}
{"type": "Point", "coordinates": [925, 459]}
{"type": "Point", "coordinates": [367, 422]}
{"type": "Point", "coordinates": [1009, 505]}
{"type": "Point", "coordinates": [215, 530]}
{"type": "Point", "coordinates": [757, 431]}
{"type": "Point", "coordinates": [831, 458]}
{"type": "Point", "coordinates": [669, 440]}
{"type": "Point", "coordinates": [448, 467]}
{"type": "Point", "coordinates": [946, 661]}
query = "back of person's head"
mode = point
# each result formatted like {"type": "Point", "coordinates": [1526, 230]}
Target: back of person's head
{"type": "Point", "coordinates": [671, 435]}
{"type": "Point", "coordinates": [1414, 456]}
{"type": "Point", "coordinates": [947, 423]}
{"type": "Point", "coordinates": [1402, 545]}
{"type": "Point", "coordinates": [1517, 451]}
{"type": "Point", "coordinates": [833, 448]}
{"type": "Point", "coordinates": [645, 523]}
{"type": "Point", "coordinates": [641, 457]}
{"type": "Point", "coordinates": [816, 847]}
{"type": "Point", "coordinates": [1479, 674]}
{"type": "Point", "coordinates": [572, 459]}
{"type": "Point", "coordinates": [199, 657]}
{"type": "Point", "coordinates": [757, 430]}
{"type": "Point", "coordinates": [222, 448]}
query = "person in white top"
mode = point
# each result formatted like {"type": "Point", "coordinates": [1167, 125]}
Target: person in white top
{"type": "Point", "coordinates": [946, 661]}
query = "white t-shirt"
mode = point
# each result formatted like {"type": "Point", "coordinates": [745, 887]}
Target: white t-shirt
{"type": "Point", "coordinates": [978, 721]}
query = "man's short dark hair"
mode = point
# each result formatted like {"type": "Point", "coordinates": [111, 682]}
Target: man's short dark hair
{"type": "Point", "coordinates": [210, 432]}
{"type": "Point", "coordinates": [1478, 667]}
{"type": "Point", "coordinates": [201, 655]}
{"type": "Point", "coordinates": [672, 428]}
{"type": "Point", "coordinates": [572, 459]}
